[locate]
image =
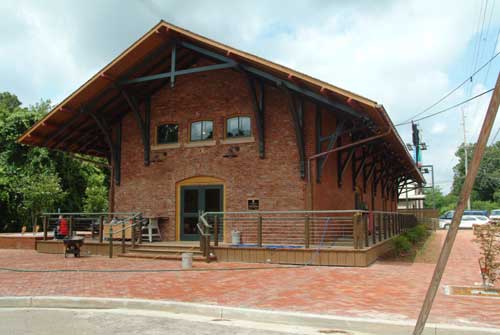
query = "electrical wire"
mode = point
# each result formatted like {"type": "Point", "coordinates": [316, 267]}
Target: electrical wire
{"type": "Point", "coordinates": [447, 109]}
{"type": "Point", "coordinates": [465, 81]}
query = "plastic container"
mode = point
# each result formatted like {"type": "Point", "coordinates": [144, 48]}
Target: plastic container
{"type": "Point", "coordinates": [187, 260]}
{"type": "Point", "coordinates": [235, 237]}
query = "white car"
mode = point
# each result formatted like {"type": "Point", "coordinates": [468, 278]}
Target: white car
{"type": "Point", "coordinates": [495, 216]}
{"type": "Point", "coordinates": [467, 221]}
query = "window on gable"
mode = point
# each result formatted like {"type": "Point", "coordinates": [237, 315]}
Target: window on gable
{"type": "Point", "coordinates": [202, 131]}
{"type": "Point", "coordinates": [167, 133]}
{"type": "Point", "coordinates": [238, 127]}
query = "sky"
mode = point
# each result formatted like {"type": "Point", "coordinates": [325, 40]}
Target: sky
{"type": "Point", "coordinates": [402, 54]}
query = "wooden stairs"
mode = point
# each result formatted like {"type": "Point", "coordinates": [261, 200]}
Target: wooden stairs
{"type": "Point", "coordinates": [170, 251]}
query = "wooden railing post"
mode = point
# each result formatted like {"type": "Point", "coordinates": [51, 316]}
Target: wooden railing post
{"type": "Point", "coordinates": [139, 228]}
{"type": "Point", "coordinates": [216, 231]}
{"type": "Point", "coordinates": [123, 237]}
{"type": "Point", "coordinates": [384, 222]}
{"type": "Point", "coordinates": [110, 240]}
{"type": "Point", "coordinates": [70, 232]}
{"type": "Point", "coordinates": [374, 228]}
{"type": "Point", "coordinates": [307, 233]}
{"type": "Point", "coordinates": [259, 232]}
{"type": "Point", "coordinates": [134, 231]}
{"type": "Point", "coordinates": [45, 227]}
{"type": "Point", "coordinates": [365, 229]}
{"type": "Point", "coordinates": [356, 230]}
{"type": "Point", "coordinates": [101, 228]}
{"type": "Point", "coordinates": [379, 224]}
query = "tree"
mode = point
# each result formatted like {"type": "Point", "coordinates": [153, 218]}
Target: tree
{"type": "Point", "coordinates": [34, 179]}
{"type": "Point", "coordinates": [96, 194]}
{"type": "Point", "coordinates": [40, 192]}
{"type": "Point", "coordinates": [485, 193]}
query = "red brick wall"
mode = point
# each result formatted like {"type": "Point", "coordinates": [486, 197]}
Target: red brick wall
{"type": "Point", "coordinates": [275, 180]}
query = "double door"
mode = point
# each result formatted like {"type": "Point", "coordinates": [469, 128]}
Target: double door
{"type": "Point", "coordinates": [194, 199]}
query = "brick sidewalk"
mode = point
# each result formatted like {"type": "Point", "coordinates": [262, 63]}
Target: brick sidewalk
{"type": "Point", "coordinates": [386, 290]}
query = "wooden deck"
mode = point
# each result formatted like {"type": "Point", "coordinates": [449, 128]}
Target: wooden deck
{"type": "Point", "coordinates": [325, 256]}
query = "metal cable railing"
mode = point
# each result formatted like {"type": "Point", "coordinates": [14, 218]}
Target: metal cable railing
{"type": "Point", "coordinates": [309, 229]}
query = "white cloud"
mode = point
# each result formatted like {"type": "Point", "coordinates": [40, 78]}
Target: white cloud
{"type": "Point", "coordinates": [399, 53]}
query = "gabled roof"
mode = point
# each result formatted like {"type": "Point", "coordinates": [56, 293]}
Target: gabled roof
{"type": "Point", "coordinates": [67, 123]}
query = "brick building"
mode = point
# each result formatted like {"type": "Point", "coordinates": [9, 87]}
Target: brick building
{"type": "Point", "coordinates": [190, 124]}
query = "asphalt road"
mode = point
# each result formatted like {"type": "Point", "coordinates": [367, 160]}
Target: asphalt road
{"type": "Point", "coordinates": [106, 322]}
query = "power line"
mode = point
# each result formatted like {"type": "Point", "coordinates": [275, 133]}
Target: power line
{"type": "Point", "coordinates": [469, 78]}
{"type": "Point", "coordinates": [447, 109]}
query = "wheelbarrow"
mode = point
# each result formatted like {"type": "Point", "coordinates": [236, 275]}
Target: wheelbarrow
{"type": "Point", "coordinates": [72, 245]}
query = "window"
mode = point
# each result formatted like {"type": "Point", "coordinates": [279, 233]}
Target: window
{"type": "Point", "coordinates": [238, 127]}
{"type": "Point", "coordinates": [202, 131]}
{"type": "Point", "coordinates": [167, 133]}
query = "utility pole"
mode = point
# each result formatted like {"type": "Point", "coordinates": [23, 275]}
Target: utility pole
{"type": "Point", "coordinates": [457, 217]}
{"type": "Point", "coordinates": [466, 154]}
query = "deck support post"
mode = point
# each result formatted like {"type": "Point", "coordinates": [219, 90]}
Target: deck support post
{"type": "Point", "coordinates": [307, 232]}
{"type": "Point", "coordinates": [259, 232]}
{"type": "Point", "coordinates": [123, 237]}
{"type": "Point", "coordinates": [101, 228]}
{"type": "Point", "coordinates": [45, 227]}
{"type": "Point", "coordinates": [365, 229]}
{"type": "Point", "coordinates": [110, 240]}
{"type": "Point", "coordinates": [134, 231]}
{"type": "Point", "coordinates": [374, 228]}
{"type": "Point", "coordinates": [70, 232]}
{"type": "Point", "coordinates": [216, 231]}
{"type": "Point", "coordinates": [358, 237]}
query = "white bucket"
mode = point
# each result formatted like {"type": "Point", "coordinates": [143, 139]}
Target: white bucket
{"type": "Point", "coordinates": [187, 260]}
{"type": "Point", "coordinates": [235, 237]}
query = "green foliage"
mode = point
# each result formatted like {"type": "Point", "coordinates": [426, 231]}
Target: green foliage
{"type": "Point", "coordinates": [39, 193]}
{"type": "Point", "coordinates": [443, 202]}
{"type": "Point", "coordinates": [401, 245]}
{"type": "Point", "coordinates": [33, 179]}
{"type": "Point", "coordinates": [96, 194]}
{"type": "Point", "coordinates": [417, 234]}
{"type": "Point", "coordinates": [486, 191]}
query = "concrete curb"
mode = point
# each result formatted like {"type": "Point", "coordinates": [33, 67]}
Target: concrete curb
{"type": "Point", "coordinates": [377, 326]}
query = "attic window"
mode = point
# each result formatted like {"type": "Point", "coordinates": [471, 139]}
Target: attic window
{"type": "Point", "coordinates": [167, 133]}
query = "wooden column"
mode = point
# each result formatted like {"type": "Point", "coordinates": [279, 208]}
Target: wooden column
{"type": "Point", "coordinates": [70, 232]}
{"type": "Point", "coordinates": [307, 232]}
{"type": "Point", "coordinates": [45, 227]}
{"type": "Point", "coordinates": [216, 231]}
{"type": "Point", "coordinates": [101, 228]}
{"type": "Point", "coordinates": [259, 232]}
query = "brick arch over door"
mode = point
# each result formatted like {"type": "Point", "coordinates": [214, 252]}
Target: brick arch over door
{"type": "Point", "coordinates": [194, 180]}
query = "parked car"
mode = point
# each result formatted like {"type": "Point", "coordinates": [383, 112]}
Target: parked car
{"type": "Point", "coordinates": [446, 217]}
{"type": "Point", "coordinates": [495, 216]}
{"type": "Point", "coordinates": [467, 221]}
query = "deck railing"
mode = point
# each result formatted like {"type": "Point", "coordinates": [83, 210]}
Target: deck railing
{"type": "Point", "coordinates": [112, 226]}
{"type": "Point", "coordinates": [308, 229]}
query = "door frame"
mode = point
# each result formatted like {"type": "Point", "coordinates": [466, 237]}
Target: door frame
{"type": "Point", "coordinates": [196, 181]}
{"type": "Point", "coordinates": [201, 192]}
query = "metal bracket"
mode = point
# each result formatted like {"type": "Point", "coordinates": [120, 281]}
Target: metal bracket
{"type": "Point", "coordinates": [257, 97]}
{"type": "Point", "coordinates": [296, 109]}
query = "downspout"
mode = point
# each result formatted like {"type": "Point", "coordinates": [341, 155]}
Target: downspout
{"type": "Point", "coordinates": [327, 153]}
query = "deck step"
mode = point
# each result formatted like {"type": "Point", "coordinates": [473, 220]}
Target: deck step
{"type": "Point", "coordinates": [160, 256]}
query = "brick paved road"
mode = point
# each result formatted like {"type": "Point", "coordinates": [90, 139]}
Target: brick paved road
{"type": "Point", "coordinates": [388, 290]}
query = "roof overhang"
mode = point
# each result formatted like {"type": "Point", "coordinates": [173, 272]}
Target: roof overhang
{"type": "Point", "coordinates": [99, 92]}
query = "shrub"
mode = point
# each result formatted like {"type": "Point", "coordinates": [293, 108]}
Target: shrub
{"type": "Point", "coordinates": [417, 234]}
{"type": "Point", "coordinates": [401, 245]}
